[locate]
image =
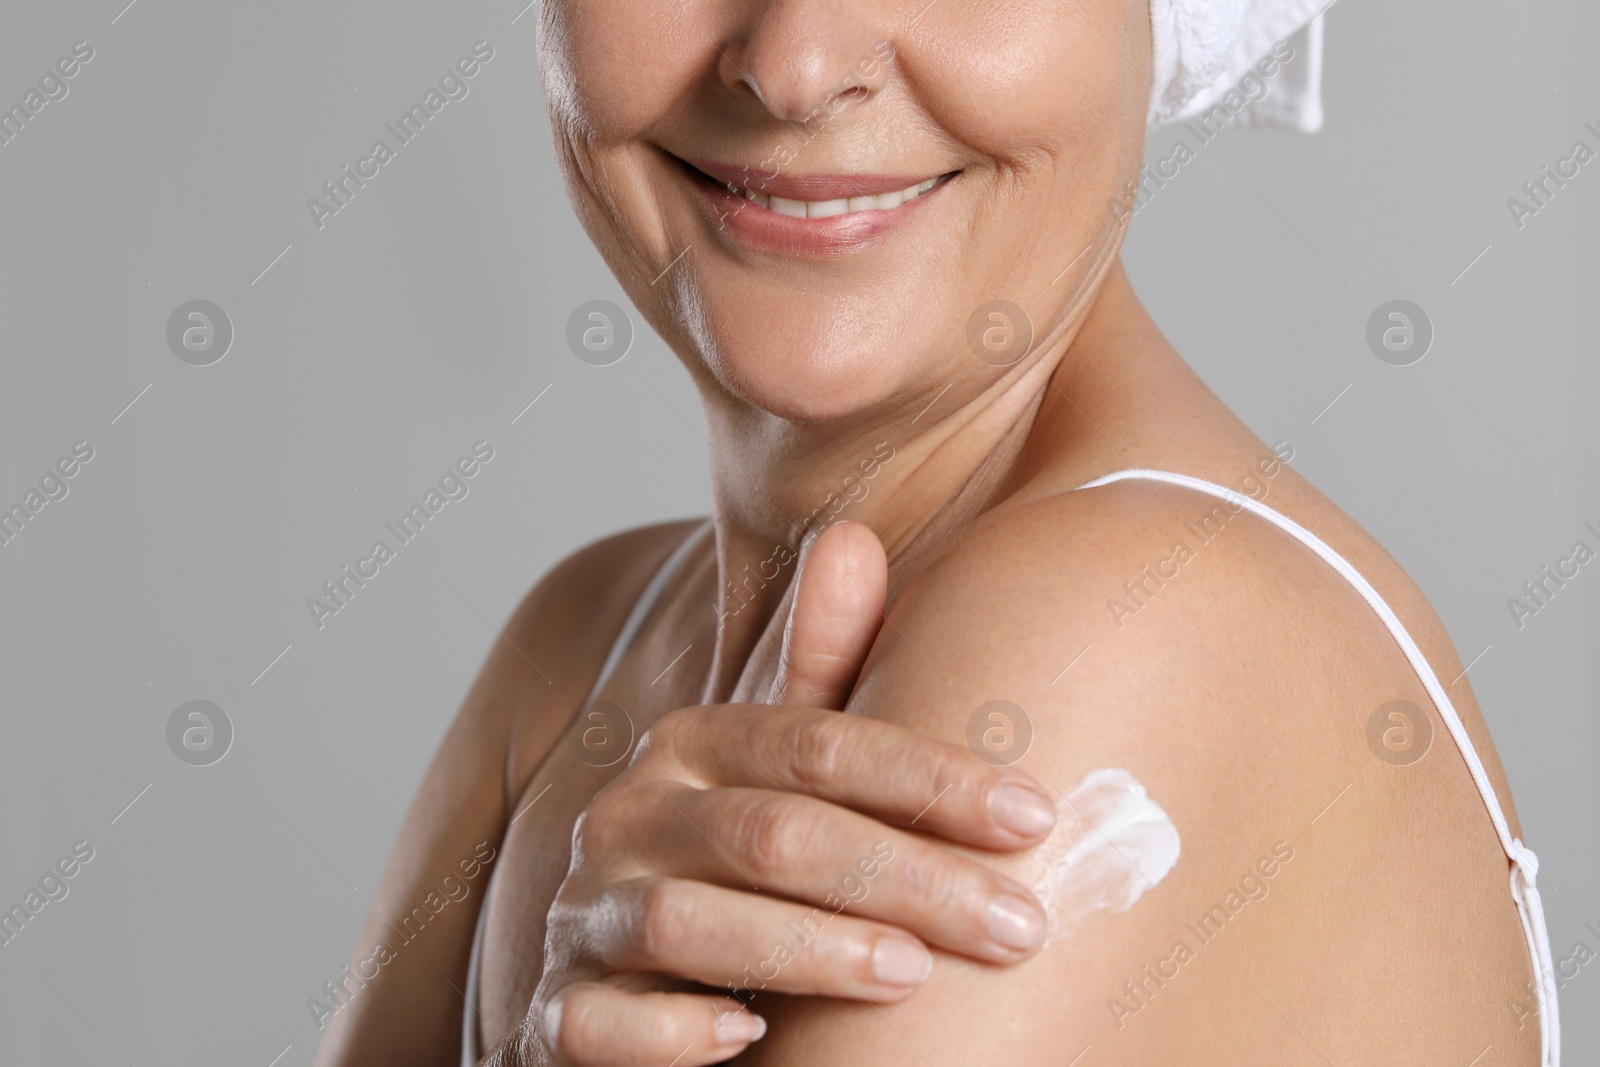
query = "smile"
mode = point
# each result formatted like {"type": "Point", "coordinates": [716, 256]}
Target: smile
{"type": "Point", "coordinates": [801, 214]}
{"type": "Point", "coordinates": [827, 209]}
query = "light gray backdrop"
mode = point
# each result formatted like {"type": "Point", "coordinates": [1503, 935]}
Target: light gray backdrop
{"type": "Point", "coordinates": [429, 312]}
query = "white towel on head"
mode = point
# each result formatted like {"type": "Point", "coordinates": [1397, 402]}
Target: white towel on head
{"type": "Point", "coordinates": [1204, 47]}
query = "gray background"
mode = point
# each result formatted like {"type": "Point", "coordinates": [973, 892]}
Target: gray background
{"type": "Point", "coordinates": [430, 311]}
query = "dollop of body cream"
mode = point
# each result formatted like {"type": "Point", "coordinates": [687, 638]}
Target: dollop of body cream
{"type": "Point", "coordinates": [1111, 845]}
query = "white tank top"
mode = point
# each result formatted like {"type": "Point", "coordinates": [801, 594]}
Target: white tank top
{"type": "Point", "coordinates": [1524, 868]}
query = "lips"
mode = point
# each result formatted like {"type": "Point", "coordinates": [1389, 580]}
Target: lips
{"type": "Point", "coordinates": [824, 214]}
{"type": "Point", "coordinates": [814, 188]}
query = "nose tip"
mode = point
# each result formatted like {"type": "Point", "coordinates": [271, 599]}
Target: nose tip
{"type": "Point", "coordinates": [801, 59]}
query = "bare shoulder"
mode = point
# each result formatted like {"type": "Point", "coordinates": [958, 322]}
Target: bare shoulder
{"type": "Point", "coordinates": [555, 642]}
{"type": "Point", "coordinates": [535, 675]}
{"type": "Point", "coordinates": [1182, 607]}
{"type": "Point", "coordinates": [1328, 850]}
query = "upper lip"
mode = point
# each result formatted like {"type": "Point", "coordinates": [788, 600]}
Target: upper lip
{"type": "Point", "coordinates": [771, 180]}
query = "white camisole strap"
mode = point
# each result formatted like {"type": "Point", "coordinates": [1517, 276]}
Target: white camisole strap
{"type": "Point", "coordinates": [470, 1052]}
{"type": "Point", "coordinates": [1524, 864]}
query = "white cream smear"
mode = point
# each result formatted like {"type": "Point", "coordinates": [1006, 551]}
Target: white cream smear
{"type": "Point", "coordinates": [1111, 845]}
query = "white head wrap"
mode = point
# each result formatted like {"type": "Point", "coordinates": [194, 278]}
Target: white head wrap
{"type": "Point", "coordinates": [1204, 47]}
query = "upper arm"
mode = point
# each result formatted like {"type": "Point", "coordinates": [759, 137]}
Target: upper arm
{"type": "Point", "coordinates": [1236, 721]}
{"type": "Point", "coordinates": [400, 1007]}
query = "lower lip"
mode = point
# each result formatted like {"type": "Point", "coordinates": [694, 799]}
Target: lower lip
{"type": "Point", "coordinates": [761, 228]}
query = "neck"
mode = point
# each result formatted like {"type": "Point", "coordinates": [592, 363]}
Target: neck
{"type": "Point", "coordinates": [917, 474]}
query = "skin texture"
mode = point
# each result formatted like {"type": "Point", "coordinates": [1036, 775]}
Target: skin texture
{"type": "Point", "coordinates": [1239, 694]}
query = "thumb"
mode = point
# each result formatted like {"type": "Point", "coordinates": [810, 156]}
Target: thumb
{"type": "Point", "coordinates": [835, 617]}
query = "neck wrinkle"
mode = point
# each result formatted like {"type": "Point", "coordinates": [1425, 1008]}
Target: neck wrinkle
{"type": "Point", "coordinates": [954, 472]}
{"type": "Point", "coordinates": [966, 463]}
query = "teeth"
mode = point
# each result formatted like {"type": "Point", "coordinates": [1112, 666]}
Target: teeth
{"type": "Point", "coordinates": [827, 209]}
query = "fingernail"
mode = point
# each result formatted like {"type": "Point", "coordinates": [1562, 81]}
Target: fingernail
{"type": "Point", "coordinates": [898, 961]}
{"type": "Point", "coordinates": [1015, 923]}
{"type": "Point", "coordinates": [739, 1027]}
{"type": "Point", "coordinates": [1021, 810]}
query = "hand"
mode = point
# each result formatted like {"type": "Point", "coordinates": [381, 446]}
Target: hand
{"type": "Point", "coordinates": [739, 826]}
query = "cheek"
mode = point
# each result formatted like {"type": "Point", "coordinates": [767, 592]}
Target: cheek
{"type": "Point", "coordinates": [1055, 95]}
{"type": "Point", "coordinates": [611, 69]}
{"type": "Point", "coordinates": [1034, 78]}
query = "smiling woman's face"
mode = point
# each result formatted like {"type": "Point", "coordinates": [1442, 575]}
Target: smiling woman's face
{"type": "Point", "coordinates": [896, 165]}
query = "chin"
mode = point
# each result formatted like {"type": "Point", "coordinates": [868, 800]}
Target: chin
{"type": "Point", "coordinates": [810, 357]}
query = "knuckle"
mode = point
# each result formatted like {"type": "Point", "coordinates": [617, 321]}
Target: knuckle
{"type": "Point", "coordinates": [587, 828]}
{"type": "Point", "coordinates": [566, 916]}
{"type": "Point", "coordinates": [941, 775]}
{"type": "Point", "coordinates": [664, 921]}
{"type": "Point", "coordinates": [934, 880]}
{"type": "Point", "coordinates": [678, 724]}
{"type": "Point", "coordinates": [597, 828]}
{"type": "Point", "coordinates": [934, 762]}
{"type": "Point", "coordinates": [773, 834]}
{"type": "Point", "coordinates": [820, 744]}
{"type": "Point", "coordinates": [583, 831]}
{"type": "Point", "coordinates": [945, 766]}
{"type": "Point", "coordinates": [650, 748]}
{"type": "Point", "coordinates": [666, 736]}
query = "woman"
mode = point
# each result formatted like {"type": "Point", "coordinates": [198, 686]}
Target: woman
{"type": "Point", "coordinates": [1200, 827]}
